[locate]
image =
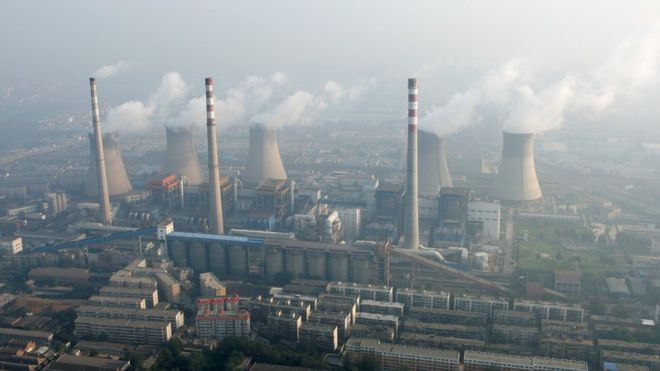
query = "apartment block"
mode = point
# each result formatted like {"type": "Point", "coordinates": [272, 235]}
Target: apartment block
{"type": "Point", "coordinates": [422, 299]}
{"type": "Point", "coordinates": [125, 331]}
{"type": "Point", "coordinates": [221, 324]}
{"type": "Point", "coordinates": [324, 337]}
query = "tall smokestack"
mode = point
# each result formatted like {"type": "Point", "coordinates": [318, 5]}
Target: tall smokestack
{"type": "Point", "coordinates": [102, 177]}
{"type": "Point", "coordinates": [516, 180]}
{"type": "Point", "coordinates": [216, 225]}
{"type": "Point", "coordinates": [118, 182]}
{"type": "Point", "coordinates": [264, 160]}
{"type": "Point", "coordinates": [433, 170]}
{"type": "Point", "coordinates": [411, 216]}
{"type": "Point", "coordinates": [180, 155]}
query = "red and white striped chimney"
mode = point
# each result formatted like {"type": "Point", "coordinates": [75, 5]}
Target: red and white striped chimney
{"type": "Point", "coordinates": [411, 212]}
{"type": "Point", "coordinates": [216, 225]}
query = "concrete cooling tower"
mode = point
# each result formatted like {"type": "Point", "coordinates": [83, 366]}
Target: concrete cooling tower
{"type": "Point", "coordinates": [264, 161]}
{"type": "Point", "coordinates": [516, 180]}
{"type": "Point", "coordinates": [118, 182]}
{"type": "Point", "coordinates": [433, 170]}
{"type": "Point", "coordinates": [181, 157]}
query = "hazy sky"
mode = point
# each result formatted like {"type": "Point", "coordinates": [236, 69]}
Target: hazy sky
{"type": "Point", "coordinates": [451, 45]}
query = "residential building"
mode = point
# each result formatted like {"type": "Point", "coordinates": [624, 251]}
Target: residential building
{"type": "Point", "coordinates": [125, 330]}
{"type": "Point", "coordinates": [210, 286]}
{"type": "Point", "coordinates": [320, 335]}
{"type": "Point", "coordinates": [396, 357]}
{"type": "Point", "coordinates": [421, 298]}
{"type": "Point", "coordinates": [221, 324]}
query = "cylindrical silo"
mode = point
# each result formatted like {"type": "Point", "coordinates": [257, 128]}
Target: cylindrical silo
{"type": "Point", "coordinates": [178, 253]}
{"type": "Point", "coordinates": [360, 269]}
{"type": "Point", "coordinates": [339, 267]}
{"type": "Point", "coordinates": [237, 261]}
{"type": "Point", "coordinates": [295, 263]}
{"type": "Point", "coordinates": [273, 260]}
{"type": "Point", "coordinates": [198, 257]}
{"type": "Point", "coordinates": [315, 265]}
{"type": "Point", "coordinates": [217, 260]}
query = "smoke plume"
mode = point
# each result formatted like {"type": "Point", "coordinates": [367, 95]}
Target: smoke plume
{"type": "Point", "coordinates": [111, 69]}
{"type": "Point", "coordinates": [527, 106]}
{"type": "Point", "coordinates": [252, 100]}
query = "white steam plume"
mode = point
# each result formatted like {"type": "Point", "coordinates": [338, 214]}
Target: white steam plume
{"type": "Point", "coordinates": [136, 116]}
{"type": "Point", "coordinates": [111, 69]}
{"type": "Point", "coordinates": [251, 100]}
{"type": "Point", "coordinates": [631, 66]}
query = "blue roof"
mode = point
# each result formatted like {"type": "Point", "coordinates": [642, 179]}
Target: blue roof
{"type": "Point", "coordinates": [216, 238]}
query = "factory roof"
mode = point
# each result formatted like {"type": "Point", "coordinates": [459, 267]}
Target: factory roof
{"type": "Point", "coordinates": [28, 333]}
{"type": "Point", "coordinates": [563, 275]}
{"type": "Point", "coordinates": [215, 238]}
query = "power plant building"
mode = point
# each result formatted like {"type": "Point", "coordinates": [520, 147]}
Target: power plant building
{"type": "Point", "coordinates": [264, 160]}
{"type": "Point", "coordinates": [118, 182]}
{"type": "Point", "coordinates": [516, 180]}
{"type": "Point", "coordinates": [181, 157]}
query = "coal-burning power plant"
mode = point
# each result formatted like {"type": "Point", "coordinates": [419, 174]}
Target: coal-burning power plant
{"type": "Point", "coordinates": [433, 169]}
{"type": "Point", "coordinates": [516, 180]}
{"type": "Point", "coordinates": [117, 179]}
{"type": "Point", "coordinates": [264, 160]}
{"type": "Point", "coordinates": [216, 223]}
{"type": "Point", "coordinates": [99, 156]}
{"type": "Point", "coordinates": [411, 209]}
{"type": "Point", "coordinates": [181, 157]}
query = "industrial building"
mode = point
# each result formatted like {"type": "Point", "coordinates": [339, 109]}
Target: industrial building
{"type": "Point", "coordinates": [39, 337]}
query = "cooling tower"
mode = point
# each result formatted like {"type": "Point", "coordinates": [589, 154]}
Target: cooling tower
{"type": "Point", "coordinates": [98, 155]}
{"type": "Point", "coordinates": [411, 210]}
{"type": "Point", "coordinates": [181, 157]}
{"type": "Point", "coordinates": [264, 161]}
{"type": "Point", "coordinates": [215, 196]}
{"type": "Point", "coordinates": [433, 170]}
{"type": "Point", "coordinates": [516, 180]}
{"type": "Point", "coordinates": [118, 182]}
